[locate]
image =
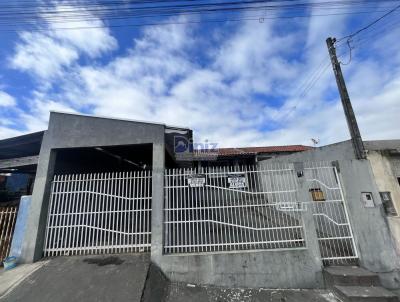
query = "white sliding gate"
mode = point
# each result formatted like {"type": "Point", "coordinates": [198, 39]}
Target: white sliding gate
{"type": "Point", "coordinates": [99, 213]}
{"type": "Point", "coordinates": [258, 207]}
{"type": "Point", "coordinates": [232, 208]}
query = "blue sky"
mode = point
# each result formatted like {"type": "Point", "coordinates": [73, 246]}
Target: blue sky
{"type": "Point", "coordinates": [247, 83]}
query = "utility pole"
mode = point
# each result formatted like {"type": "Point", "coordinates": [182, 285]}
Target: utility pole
{"type": "Point", "coordinates": [356, 139]}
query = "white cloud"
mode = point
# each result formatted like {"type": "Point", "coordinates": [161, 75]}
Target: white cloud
{"type": "Point", "coordinates": [6, 100]}
{"type": "Point", "coordinates": [47, 53]}
{"type": "Point", "coordinates": [42, 56]}
{"type": "Point", "coordinates": [245, 92]}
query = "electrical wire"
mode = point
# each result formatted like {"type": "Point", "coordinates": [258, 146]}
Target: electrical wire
{"type": "Point", "coordinates": [113, 10]}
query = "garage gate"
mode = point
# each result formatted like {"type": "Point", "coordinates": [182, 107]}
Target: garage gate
{"type": "Point", "coordinates": [99, 213]}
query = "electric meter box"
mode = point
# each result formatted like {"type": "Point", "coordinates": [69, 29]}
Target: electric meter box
{"type": "Point", "coordinates": [388, 205]}
{"type": "Point", "coordinates": [367, 199]}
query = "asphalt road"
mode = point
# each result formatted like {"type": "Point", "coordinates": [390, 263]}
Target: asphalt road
{"type": "Point", "coordinates": [85, 278]}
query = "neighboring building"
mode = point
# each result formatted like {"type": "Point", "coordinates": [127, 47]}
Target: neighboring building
{"type": "Point", "coordinates": [242, 156]}
{"type": "Point", "coordinates": [384, 156]}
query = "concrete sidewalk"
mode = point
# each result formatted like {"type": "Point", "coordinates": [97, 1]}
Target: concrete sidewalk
{"type": "Point", "coordinates": [12, 278]}
{"type": "Point", "coordinates": [84, 278]}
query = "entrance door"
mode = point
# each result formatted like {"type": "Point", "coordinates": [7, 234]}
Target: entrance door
{"type": "Point", "coordinates": [335, 236]}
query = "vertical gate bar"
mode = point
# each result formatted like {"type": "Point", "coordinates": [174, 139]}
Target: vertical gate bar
{"type": "Point", "coordinates": [124, 212]}
{"type": "Point", "coordinates": [281, 214]}
{"type": "Point", "coordinates": [69, 214]}
{"type": "Point", "coordinates": [288, 198]}
{"type": "Point", "coordinates": [82, 206]}
{"type": "Point", "coordinates": [48, 223]}
{"type": "Point", "coordinates": [248, 208]}
{"type": "Point", "coordinates": [233, 216]}
{"type": "Point", "coordinates": [202, 204]}
{"type": "Point", "coordinates": [221, 216]}
{"type": "Point", "coordinates": [265, 206]}
{"type": "Point", "coordinates": [182, 227]}
{"type": "Point", "coordinates": [75, 208]}
{"type": "Point", "coordinates": [166, 225]}
{"type": "Point", "coordinates": [96, 214]}
{"type": "Point", "coordinates": [173, 212]}
{"type": "Point", "coordinates": [53, 224]}
{"type": "Point", "coordinates": [92, 215]}
{"type": "Point", "coordinates": [86, 213]}
{"type": "Point", "coordinates": [135, 194]}
{"type": "Point", "coordinates": [60, 201]}
{"type": "Point", "coordinates": [176, 210]}
{"type": "Point", "coordinates": [346, 212]}
{"type": "Point", "coordinates": [130, 212]}
{"type": "Point", "coordinates": [196, 210]}
{"type": "Point", "coordinates": [110, 223]}
{"type": "Point", "coordinates": [64, 213]}
{"type": "Point", "coordinates": [229, 209]}
{"type": "Point", "coordinates": [118, 214]}
{"type": "Point", "coordinates": [149, 209]}
{"type": "Point", "coordinates": [102, 190]}
{"type": "Point", "coordinates": [256, 202]}
{"type": "Point", "coordinates": [207, 230]}
{"type": "Point", "coordinates": [212, 241]}
{"type": "Point", "coordinates": [141, 212]}
{"type": "Point", "coordinates": [189, 203]}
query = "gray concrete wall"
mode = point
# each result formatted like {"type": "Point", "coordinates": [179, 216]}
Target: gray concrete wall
{"type": "Point", "coordinates": [376, 248]}
{"type": "Point", "coordinates": [76, 131]}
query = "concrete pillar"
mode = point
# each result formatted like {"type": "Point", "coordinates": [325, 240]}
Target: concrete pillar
{"type": "Point", "coordinates": [157, 215]}
{"type": "Point", "coordinates": [32, 246]}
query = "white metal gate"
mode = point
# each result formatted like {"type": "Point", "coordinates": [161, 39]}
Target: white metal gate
{"type": "Point", "coordinates": [335, 236]}
{"type": "Point", "coordinates": [232, 208]}
{"type": "Point", "coordinates": [257, 207]}
{"type": "Point", "coordinates": [8, 215]}
{"type": "Point", "coordinates": [99, 213]}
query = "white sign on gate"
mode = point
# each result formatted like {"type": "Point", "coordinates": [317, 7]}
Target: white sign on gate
{"type": "Point", "coordinates": [197, 180]}
{"type": "Point", "coordinates": [237, 181]}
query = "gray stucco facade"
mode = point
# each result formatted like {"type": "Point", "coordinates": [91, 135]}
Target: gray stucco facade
{"type": "Point", "coordinates": [78, 131]}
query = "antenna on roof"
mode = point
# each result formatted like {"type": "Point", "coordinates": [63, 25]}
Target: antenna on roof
{"type": "Point", "coordinates": [315, 141]}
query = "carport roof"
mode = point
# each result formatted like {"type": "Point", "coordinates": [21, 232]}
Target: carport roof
{"type": "Point", "coordinates": [21, 146]}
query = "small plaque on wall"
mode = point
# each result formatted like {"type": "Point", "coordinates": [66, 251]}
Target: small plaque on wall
{"type": "Point", "coordinates": [367, 199]}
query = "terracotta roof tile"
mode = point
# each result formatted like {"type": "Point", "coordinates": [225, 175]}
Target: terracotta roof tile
{"type": "Point", "coordinates": [253, 150]}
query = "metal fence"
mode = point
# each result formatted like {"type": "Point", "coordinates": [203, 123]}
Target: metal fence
{"type": "Point", "coordinates": [8, 215]}
{"type": "Point", "coordinates": [331, 218]}
{"type": "Point", "coordinates": [232, 208]}
{"type": "Point", "coordinates": [99, 213]}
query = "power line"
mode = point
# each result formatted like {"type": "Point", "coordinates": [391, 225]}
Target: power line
{"type": "Point", "coordinates": [369, 25]}
{"type": "Point", "coordinates": [109, 12]}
